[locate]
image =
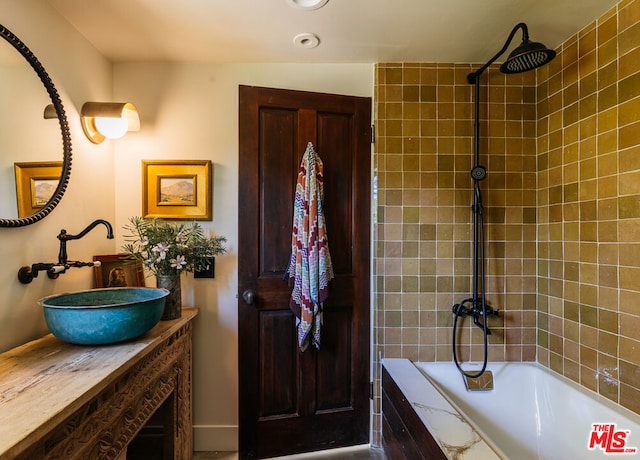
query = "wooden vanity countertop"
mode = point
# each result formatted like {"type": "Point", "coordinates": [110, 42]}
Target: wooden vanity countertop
{"type": "Point", "coordinates": [45, 381]}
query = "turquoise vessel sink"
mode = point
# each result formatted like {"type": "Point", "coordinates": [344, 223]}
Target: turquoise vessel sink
{"type": "Point", "coordinates": [103, 316]}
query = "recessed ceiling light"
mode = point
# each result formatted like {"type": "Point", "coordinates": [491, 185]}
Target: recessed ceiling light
{"type": "Point", "coordinates": [307, 4]}
{"type": "Point", "coordinates": [306, 40]}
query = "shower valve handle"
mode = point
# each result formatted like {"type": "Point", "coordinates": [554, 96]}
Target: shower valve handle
{"type": "Point", "coordinates": [491, 312]}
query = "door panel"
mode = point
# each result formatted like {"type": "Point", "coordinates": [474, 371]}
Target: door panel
{"type": "Point", "coordinates": [334, 129]}
{"type": "Point", "coordinates": [290, 401]}
{"type": "Point", "coordinates": [334, 372]}
{"type": "Point", "coordinates": [277, 157]}
{"type": "Point", "coordinates": [278, 366]}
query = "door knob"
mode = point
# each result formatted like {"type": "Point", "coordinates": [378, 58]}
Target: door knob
{"type": "Point", "coordinates": [249, 296]}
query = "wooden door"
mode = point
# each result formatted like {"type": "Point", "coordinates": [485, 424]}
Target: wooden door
{"type": "Point", "coordinates": [292, 401]}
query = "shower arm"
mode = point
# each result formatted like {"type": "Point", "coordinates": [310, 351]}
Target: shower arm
{"type": "Point", "coordinates": [474, 76]}
{"type": "Point", "coordinates": [474, 79]}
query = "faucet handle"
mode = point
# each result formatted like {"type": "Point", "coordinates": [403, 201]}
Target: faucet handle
{"type": "Point", "coordinates": [54, 272]}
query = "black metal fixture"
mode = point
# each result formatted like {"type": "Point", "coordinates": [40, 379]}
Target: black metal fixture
{"type": "Point", "coordinates": [528, 56]}
{"type": "Point", "coordinates": [26, 274]}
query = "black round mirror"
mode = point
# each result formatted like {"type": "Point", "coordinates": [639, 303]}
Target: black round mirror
{"type": "Point", "coordinates": [61, 186]}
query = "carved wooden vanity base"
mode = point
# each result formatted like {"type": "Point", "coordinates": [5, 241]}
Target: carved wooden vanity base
{"type": "Point", "coordinates": [60, 401]}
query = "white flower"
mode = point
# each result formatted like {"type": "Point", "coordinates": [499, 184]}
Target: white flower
{"type": "Point", "coordinates": [181, 237]}
{"type": "Point", "coordinates": [161, 249]}
{"type": "Point", "coordinates": [179, 262]}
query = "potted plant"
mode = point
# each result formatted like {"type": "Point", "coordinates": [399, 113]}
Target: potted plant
{"type": "Point", "coordinates": [168, 249]}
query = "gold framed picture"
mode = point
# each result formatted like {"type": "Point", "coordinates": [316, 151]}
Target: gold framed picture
{"type": "Point", "coordinates": [35, 184]}
{"type": "Point", "coordinates": [177, 189]}
{"type": "Point", "coordinates": [118, 270]}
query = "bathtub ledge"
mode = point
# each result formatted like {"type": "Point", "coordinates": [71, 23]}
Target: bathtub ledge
{"type": "Point", "coordinates": [457, 438]}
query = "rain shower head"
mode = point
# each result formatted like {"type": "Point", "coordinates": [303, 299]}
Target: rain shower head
{"type": "Point", "coordinates": [528, 56]}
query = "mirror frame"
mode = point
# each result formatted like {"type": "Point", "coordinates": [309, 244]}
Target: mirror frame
{"type": "Point", "coordinates": [64, 128]}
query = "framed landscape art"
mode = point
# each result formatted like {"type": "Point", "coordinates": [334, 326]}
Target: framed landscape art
{"type": "Point", "coordinates": [35, 184]}
{"type": "Point", "coordinates": [178, 189]}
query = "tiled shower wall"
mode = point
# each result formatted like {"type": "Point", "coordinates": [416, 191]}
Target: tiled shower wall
{"type": "Point", "coordinates": [424, 146]}
{"type": "Point", "coordinates": [422, 257]}
{"type": "Point", "coordinates": [589, 207]}
{"type": "Point", "coordinates": [562, 209]}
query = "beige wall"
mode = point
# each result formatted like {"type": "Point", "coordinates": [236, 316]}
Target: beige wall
{"type": "Point", "coordinates": [79, 76]}
{"type": "Point", "coordinates": [190, 111]}
{"type": "Point", "coordinates": [562, 217]}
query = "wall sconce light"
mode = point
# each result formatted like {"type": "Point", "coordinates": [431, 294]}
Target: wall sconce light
{"type": "Point", "coordinates": [50, 112]}
{"type": "Point", "coordinates": [108, 119]}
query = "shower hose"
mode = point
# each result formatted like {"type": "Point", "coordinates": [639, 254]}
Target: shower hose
{"type": "Point", "coordinates": [478, 304]}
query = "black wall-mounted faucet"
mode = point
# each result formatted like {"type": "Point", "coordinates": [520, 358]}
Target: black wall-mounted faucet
{"type": "Point", "coordinates": [26, 274]}
{"type": "Point", "coordinates": [63, 236]}
{"type": "Point", "coordinates": [478, 309]}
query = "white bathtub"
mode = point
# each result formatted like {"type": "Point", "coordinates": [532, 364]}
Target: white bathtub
{"type": "Point", "coordinates": [532, 413]}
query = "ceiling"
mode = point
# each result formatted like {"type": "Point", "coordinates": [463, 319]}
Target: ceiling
{"type": "Point", "coordinates": [350, 31]}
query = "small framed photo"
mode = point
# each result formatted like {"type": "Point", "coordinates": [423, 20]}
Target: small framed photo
{"type": "Point", "coordinates": [177, 189]}
{"type": "Point", "coordinates": [118, 270]}
{"type": "Point", "coordinates": [36, 183]}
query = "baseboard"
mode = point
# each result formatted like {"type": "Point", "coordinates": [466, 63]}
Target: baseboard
{"type": "Point", "coordinates": [215, 438]}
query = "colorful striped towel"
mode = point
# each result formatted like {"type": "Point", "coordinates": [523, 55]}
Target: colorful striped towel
{"type": "Point", "coordinates": [310, 268]}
